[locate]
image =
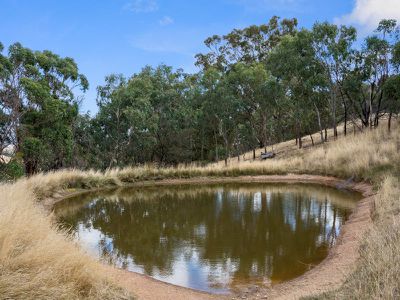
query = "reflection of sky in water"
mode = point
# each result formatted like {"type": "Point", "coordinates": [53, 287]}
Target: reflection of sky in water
{"type": "Point", "coordinates": [91, 237]}
{"type": "Point", "coordinates": [186, 270]}
{"type": "Point", "coordinates": [188, 263]}
{"type": "Point", "coordinates": [257, 202]}
{"type": "Point", "coordinates": [315, 210]}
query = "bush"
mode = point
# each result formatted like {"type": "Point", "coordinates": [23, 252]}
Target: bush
{"type": "Point", "coordinates": [12, 171]}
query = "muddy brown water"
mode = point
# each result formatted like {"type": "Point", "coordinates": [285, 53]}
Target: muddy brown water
{"type": "Point", "coordinates": [214, 238]}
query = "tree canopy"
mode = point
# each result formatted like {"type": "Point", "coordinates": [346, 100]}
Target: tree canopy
{"type": "Point", "coordinates": [256, 86]}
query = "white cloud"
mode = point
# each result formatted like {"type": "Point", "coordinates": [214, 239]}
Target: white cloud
{"type": "Point", "coordinates": [366, 14]}
{"type": "Point", "coordinates": [141, 6]}
{"type": "Point", "coordinates": [166, 21]}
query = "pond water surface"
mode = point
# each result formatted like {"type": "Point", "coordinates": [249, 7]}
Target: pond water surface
{"type": "Point", "coordinates": [212, 238]}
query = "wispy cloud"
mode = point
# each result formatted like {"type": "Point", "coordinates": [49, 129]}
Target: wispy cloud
{"type": "Point", "coordinates": [366, 14]}
{"type": "Point", "coordinates": [141, 6]}
{"type": "Point", "coordinates": [166, 20]}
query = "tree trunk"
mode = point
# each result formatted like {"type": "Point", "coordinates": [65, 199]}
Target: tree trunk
{"type": "Point", "coordinates": [345, 109]}
{"type": "Point", "coordinates": [111, 163]}
{"type": "Point", "coordinates": [378, 110]}
{"type": "Point", "coordinates": [326, 135]}
{"type": "Point", "coordinates": [312, 140]}
{"type": "Point", "coordinates": [30, 168]}
{"type": "Point", "coordinates": [334, 125]}
{"type": "Point", "coordinates": [345, 120]}
{"type": "Point", "coordinates": [254, 154]}
{"type": "Point", "coordinates": [202, 145]}
{"type": "Point", "coordinates": [227, 150]}
{"type": "Point", "coordinates": [264, 129]}
{"type": "Point", "coordinates": [390, 121]}
{"type": "Point", "coordinates": [370, 107]}
{"type": "Point", "coordinates": [238, 150]}
{"type": "Point", "coordinates": [216, 147]}
{"type": "Point", "coordinates": [299, 135]}
{"type": "Point", "coordinates": [319, 123]}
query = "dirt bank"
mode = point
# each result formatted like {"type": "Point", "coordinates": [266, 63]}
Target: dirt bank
{"type": "Point", "coordinates": [328, 275]}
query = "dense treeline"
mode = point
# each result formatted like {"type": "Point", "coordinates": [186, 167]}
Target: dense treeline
{"type": "Point", "coordinates": [256, 86]}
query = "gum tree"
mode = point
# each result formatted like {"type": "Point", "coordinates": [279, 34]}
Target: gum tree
{"type": "Point", "coordinates": [333, 48]}
{"type": "Point", "coordinates": [36, 92]}
{"type": "Point", "coordinates": [294, 64]}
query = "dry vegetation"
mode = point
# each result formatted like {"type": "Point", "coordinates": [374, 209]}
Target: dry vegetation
{"type": "Point", "coordinates": [377, 275]}
{"type": "Point", "coordinates": [38, 261]}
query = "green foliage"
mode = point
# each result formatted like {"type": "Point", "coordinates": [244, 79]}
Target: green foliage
{"type": "Point", "coordinates": [257, 86]}
{"type": "Point", "coordinates": [147, 117]}
{"type": "Point", "coordinates": [248, 45]}
{"type": "Point", "coordinates": [38, 107]}
{"type": "Point", "coordinates": [12, 170]}
{"type": "Point", "coordinates": [392, 93]}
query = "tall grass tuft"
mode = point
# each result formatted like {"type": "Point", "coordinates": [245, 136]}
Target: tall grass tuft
{"type": "Point", "coordinates": [38, 261]}
{"type": "Point", "coordinates": [377, 275]}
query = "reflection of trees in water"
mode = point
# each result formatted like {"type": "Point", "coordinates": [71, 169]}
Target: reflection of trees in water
{"type": "Point", "coordinates": [246, 234]}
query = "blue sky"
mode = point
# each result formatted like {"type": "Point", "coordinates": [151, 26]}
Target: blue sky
{"type": "Point", "coordinates": [122, 36]}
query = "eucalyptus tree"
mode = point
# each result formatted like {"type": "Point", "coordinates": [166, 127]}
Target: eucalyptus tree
{"type": "Point", "coordinates": [147, 118]}
{"type": "Point", "coordinates": [111, 122]}
{"type": "Point", "coordinates": [372, 67]}
{"type": "Point", "coordinates": [126, 123]}
{"type": "Point", "coordinates": [247, 45]}
{"type": "Point", "coordinates": [171, 104]}
{"type": "Point", "coordinates": [222, 109]}
{"type": "Point", "coordinates": [260, 96]}
{"type": "Point", "coordinates": [246, 83]}
{"type": "Point", "coordinates": [36, 93]}
{"type": "Point", "coordinates": [391, 91]}
{"type": "Point", "coordinates": [293, 62]}
{"type": "Point", "coordinates": [383, 49]}
{"type": "Point", "coordinates": [392, 84]}
{"type": "Point", "coordinates": [333, 47]}
{"type": "Point", "coordinates": [7, 127]}
{"type": "Point", "coordinates": [240, 56]}
{"type": "Point", "coordinates": [86, 154]}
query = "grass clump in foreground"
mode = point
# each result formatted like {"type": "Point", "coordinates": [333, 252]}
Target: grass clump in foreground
{"type": "Point", "coordinates": [39, 261]}
{"type": "Point", "coordinates": [377, 275]}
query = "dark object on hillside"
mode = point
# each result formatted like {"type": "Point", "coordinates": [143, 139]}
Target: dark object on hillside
{"type": "Point", "coordinates": [267, 155]}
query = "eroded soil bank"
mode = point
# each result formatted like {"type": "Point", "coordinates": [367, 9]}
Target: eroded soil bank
{"type": "Point", "coordinates": [328, 275]}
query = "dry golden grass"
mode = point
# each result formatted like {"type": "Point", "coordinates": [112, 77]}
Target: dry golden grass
{"type": "Point", "coordinates": [38, 261]}
{"type": "Point", "coordinates": [289, 148]}
{"type": "Point", "coordinates": [377, 275]}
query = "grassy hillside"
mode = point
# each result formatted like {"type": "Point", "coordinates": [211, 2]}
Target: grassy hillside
{"type": "Point", "coordinates": [39, 261]}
